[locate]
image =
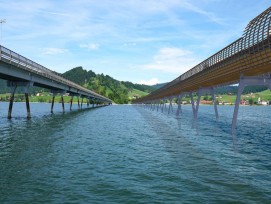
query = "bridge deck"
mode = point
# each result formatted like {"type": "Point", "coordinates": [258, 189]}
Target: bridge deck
{"type": "Point", "coordinates": [14, 67]}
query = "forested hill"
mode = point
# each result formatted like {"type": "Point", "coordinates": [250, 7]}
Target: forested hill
{"type": "Point", "coordinates": [118, 91]}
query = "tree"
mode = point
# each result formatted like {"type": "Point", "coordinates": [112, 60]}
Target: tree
{"type": "Point", "coordinates": [250, 101]}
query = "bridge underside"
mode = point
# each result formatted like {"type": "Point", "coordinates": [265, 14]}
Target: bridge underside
{"type": "Point", "coordinates": [224, 73]}
{"type": "Point", "coordinates": [12, 73]}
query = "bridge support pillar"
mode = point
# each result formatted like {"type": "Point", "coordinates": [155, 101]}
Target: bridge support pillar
{"type": "Point", "coordinates": [53, 102]}
{"type": "Point", "coordinates": [164, 103]}
{"type": "Point", "coordinates": [82, 102]}
{"type": "Point", "coordinates": [87, 102]}
{"type": "Point", "coordinates": [202, 91]}
{"type": "Point", "coordinates": [179, 109]}
{"type": "Point", "coordinates": [78, 102]}
{"type": "Point", "coordinates": [14, 85]}
{"type": "Point", "coordinates": [27, 105]}
{"type": "Point", "coordinates": [170, 108]}
{"type": "Point", "coordinates": [27, 101]}
{"type": "Point", "coordinates": [55, 92]}
{"type": "Point", "coordinates": [62, 102]}
{"type": "Point", "coordinates": [11, 99]}
{"type": "Point", "coordinates": [247, 81]}
{"type": "Point", "coordinates": [193, 104]}
{"type": "Point", "coordinates": [71, 102]}
{"type": "Point", "coordinates": [93, 102]}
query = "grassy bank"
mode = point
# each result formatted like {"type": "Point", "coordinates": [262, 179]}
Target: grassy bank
{"type": "Point", "coordinates": [44, 98]}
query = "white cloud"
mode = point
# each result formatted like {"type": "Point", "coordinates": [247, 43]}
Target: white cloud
{"type": "Point", "coordinates": [91, 46]}
{"type": "Point", "coordinates": [172, 60]}
{"type": "Point", "coordinates": [54, 51]}
{"type": "Point", "coordinates": [211, 16]}
{"type": "Point", "coordinates": [152, 81]}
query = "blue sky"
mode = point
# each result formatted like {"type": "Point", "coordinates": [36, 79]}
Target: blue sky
{"type": "Point", "coordinates": [142, 41]}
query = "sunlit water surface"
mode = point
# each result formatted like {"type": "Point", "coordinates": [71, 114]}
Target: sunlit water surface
{"type": "Point", "coordinates": [128, 154]}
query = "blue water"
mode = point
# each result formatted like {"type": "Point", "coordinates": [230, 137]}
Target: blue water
{"type": "Point", "coordinates": [128, 154]}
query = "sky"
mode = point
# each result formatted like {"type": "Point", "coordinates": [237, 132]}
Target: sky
{"type": "Point", "coordinates": [142, 41]}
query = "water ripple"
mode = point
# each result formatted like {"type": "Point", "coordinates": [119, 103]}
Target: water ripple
{"type": "Point", "coordinates": [127, 154]}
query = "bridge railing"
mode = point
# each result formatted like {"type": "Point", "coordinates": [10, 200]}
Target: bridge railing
{"type": "Point", "coordinates": [15, 59]}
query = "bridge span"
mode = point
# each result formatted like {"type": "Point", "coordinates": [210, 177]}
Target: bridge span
{"type": "Point", "coordinates": [246, 61]}
{"type": "Point", "coordinates": [20, 71]}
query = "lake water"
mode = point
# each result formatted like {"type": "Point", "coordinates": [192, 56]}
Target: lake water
{"type": "Point", "coordinates": [128, 154]}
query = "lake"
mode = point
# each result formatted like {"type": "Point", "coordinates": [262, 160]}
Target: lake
{"type": "Point", "coordinates": [130, 154]}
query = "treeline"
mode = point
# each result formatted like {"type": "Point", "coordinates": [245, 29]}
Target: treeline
{"type": "Point", "coordinates": [105, 85]}
{"type": "Point", "coordinates": [232, 90]}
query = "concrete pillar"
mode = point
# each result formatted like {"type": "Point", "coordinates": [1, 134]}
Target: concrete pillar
{"type": "Point", "coordinates": [26, 94]}
{"type": "Point", "coordinates": [170, 108]}
{"type": "Point", "coordinates": [192, 102]}
{"type": "Point", "coordinates": [53, 102]}
{"type": "Point", "coordinates": [71, 102]}
{"type": "Point", "coordinates": [78, 101]}
{"type": "Point", "coordinates": [11, 99]}
{"type": "Point", "coordinates": [198, 102]}
{"type": "Point", "coordinates": [62, 102]}
{"type": "Point", "coordinates": [87, 102]}
{"type": "Point", "coordinates": [179, 109]}
{"type": "Point", "coordinates": [27, 105]}
{"type": "Point", "coordinates": [236, 107]}
{"type": "Point", "coordinates": [214, 102]}
{"type": "Point", "coordinates": [164, 100]}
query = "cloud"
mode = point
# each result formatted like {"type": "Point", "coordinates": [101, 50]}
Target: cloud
{"type": "Point", "coordinates": [91, 46]}
{"type": "Point", "coordinates": [54, 51]}
{"type": "Point", "coordinates": [152, 81]}
{"type": "Point", "coordinates": [172, 60]}
{"type": "Point", "coordinates": [54, 13]}
{"type": "Point", "coordinates": [211, 16]}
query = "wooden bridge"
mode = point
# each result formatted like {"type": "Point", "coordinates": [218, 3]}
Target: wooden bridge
{"type": "Point", "coordinates": [246, 61]}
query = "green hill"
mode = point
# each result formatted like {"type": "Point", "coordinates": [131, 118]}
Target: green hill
{"type": "Point", "coordinates": [118, 91]}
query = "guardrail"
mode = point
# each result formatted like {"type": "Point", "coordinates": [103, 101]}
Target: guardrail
{"type": "Point", "coordinates": [17, 60]}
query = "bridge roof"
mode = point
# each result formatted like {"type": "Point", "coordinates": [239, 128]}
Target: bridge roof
{"type": "Point", "coordinates": [248, 55]}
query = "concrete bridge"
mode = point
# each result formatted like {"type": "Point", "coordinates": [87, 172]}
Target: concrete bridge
{"type": "Point", "coordinates": [246, 61]}
{"type": "Point", "coordinates": [20, 71]}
